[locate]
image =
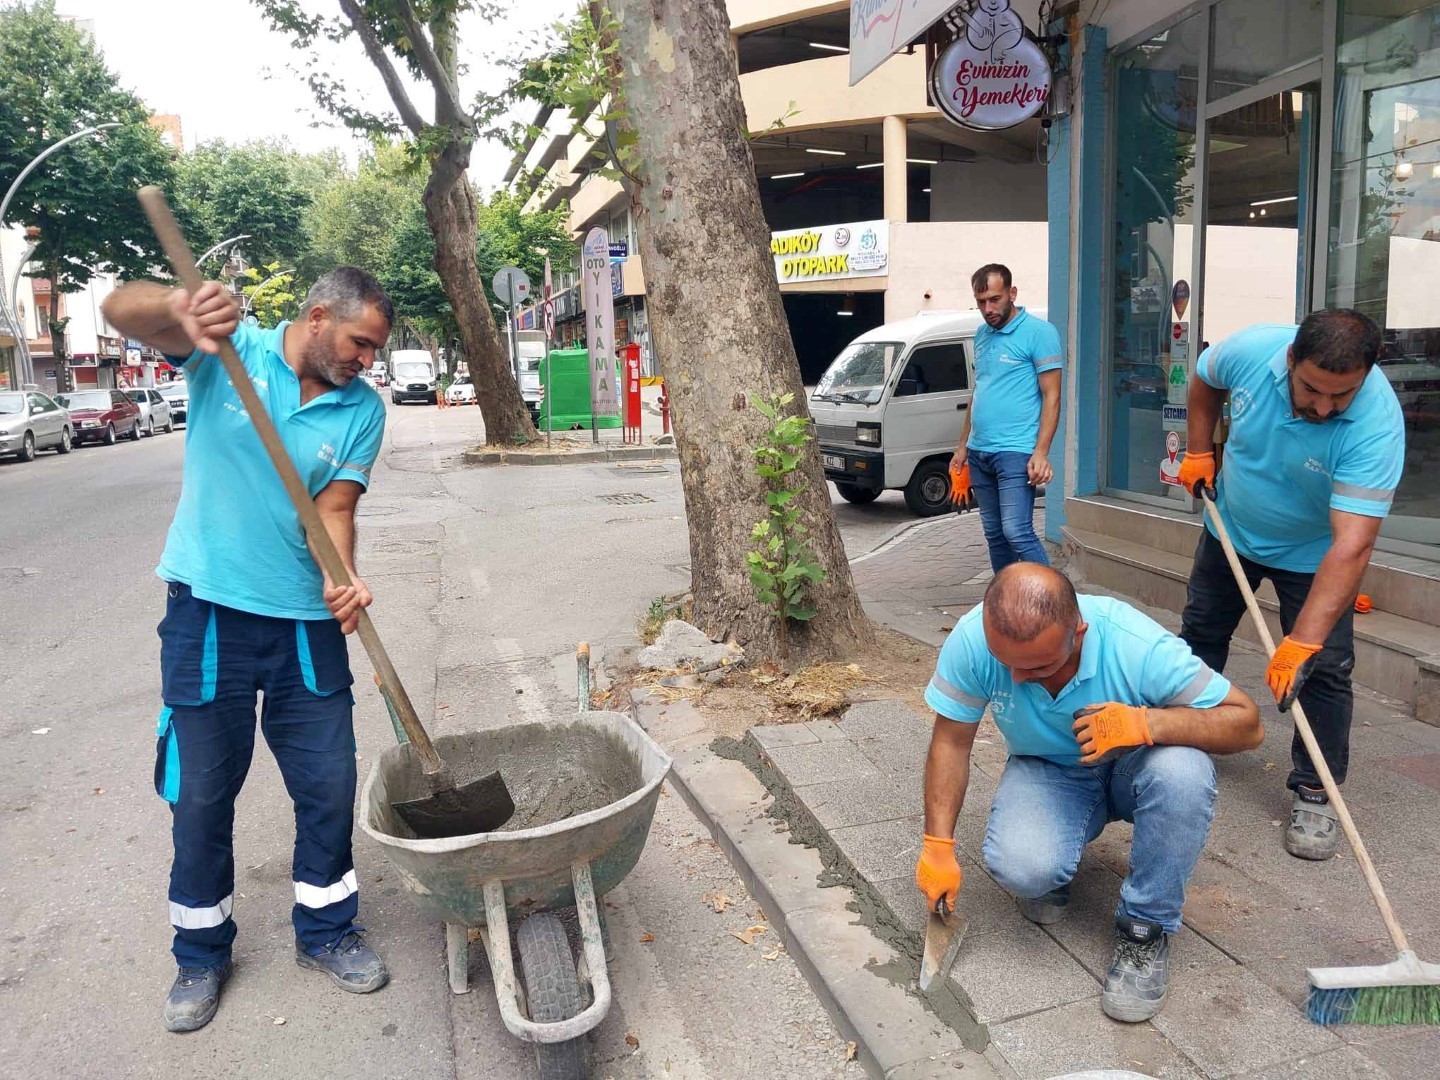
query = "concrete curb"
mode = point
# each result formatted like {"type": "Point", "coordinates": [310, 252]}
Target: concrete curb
{"type": "Point", "coordinates": [851, 970]}
{"type": "Point", "coordinates": [578, 457]}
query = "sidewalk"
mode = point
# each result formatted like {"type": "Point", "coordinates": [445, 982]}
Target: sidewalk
{"type": "Point", "coordinates": [1255, 918]}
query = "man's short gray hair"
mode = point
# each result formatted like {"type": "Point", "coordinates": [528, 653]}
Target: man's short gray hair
{"type": "Point", "coordinates": [346, 292]}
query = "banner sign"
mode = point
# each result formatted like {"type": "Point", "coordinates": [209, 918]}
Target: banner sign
{"type": "Point", "coordinates": [599, 322]}
{"type": "Point", "coordinates": [881, 28]}
{"type": "Point", "coordinates": [993, 77]}
{"type": "Point", "coordinates": [856, 249]}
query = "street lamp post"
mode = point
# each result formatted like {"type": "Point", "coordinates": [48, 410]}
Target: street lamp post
{"type": "Point", "coordinates": [222, 244]}
{"type": "Point", "coordinates": [7, 305]}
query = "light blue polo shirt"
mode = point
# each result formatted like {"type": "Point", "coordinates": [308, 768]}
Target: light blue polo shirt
{"type": "Point", "coordinates": [1125, 657]}
{"type": "Point", "coordinates": [1281, 476]}
{"type": "Point", "coordinates": [1005, 410]}
{"type": "Point", "coordinates": [236, 539]}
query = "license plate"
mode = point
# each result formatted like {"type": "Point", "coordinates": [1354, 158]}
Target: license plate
{"type": "Point", "coordinates": [832, 461]}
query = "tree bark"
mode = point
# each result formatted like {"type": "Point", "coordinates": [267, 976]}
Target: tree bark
{"type": "Point", "coordinates": [450, 212]}
{"type": "Point", "coordinates": [718, 320]}
{"type": "Point", "coordinates": [59, 356]}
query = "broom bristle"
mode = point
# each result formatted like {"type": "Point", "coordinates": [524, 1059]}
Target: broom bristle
{"type": "Point", "coordinates": [1375, 1005]}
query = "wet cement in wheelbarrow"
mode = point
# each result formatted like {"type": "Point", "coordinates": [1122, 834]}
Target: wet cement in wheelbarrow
{"type": "Point", "coordinates": [553, 771]}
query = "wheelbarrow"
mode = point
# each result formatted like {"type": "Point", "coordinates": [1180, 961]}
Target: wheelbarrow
{"type": "Point", "coordinates": [599, 763]}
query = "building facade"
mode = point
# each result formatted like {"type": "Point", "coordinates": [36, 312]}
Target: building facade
{"type": "Point", "coordinates": [1224, 163]}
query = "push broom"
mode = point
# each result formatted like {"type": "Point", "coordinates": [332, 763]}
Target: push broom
{"type": "Point", "coordinates": [1404, 991]}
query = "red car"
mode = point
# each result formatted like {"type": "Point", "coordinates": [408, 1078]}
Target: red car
{"type": "Point", "coordinates": [101, 415]}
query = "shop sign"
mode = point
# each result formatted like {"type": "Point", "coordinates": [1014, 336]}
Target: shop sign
{"type": "Point", "coordinates": [617, 278]}
{"type": "Point", "coordinates": [619, 249]}
{"type": "Point", "coordinates": [856, 249]}
{"type": "Point", "coordinates": [1170, 463]}
{"type": "Point", "coordinates": [995, 76]}
{"type": "Point", "coordinates": [1180, 297]}
{"type": "Point", "coordinates": [880, 28]}
{"type": "Point", "coordinates": [599, 323]}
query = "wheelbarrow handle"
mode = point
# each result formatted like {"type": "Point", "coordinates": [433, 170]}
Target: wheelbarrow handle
{"type": "Point", "coordinates": [323, 547]}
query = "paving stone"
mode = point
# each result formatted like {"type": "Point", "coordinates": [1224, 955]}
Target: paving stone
{"type": "Point", "coordinates": [902, 758]}
{"type": "Point", "coordinates": [882, 849]}
{"type": "Point", "coordinates": [1415, 1053]}
{"type": "Point", "coordinates": [815, 763]}
{"type": "Point", "coordinates": [1019, 971]}
{"type": "Point", "coordinates": [884, 719]}
{"type": "Point", "coordinates": [827, 730]}
{"type": "Point", "coordinates": [988, 907]}
{"type": "Point", "coordinates": [839, 803]}
{"type": "Point", "coordinates": [1345, 1064]}
{"type": "Point", "coordinates": [1229, 1022]}
{"type": "Point", "coordinates": [774, 736]}
{"type": "Point", "coordinates": [1088, 930]}
{"type": "Point", "coordinates": [1080, 1036]}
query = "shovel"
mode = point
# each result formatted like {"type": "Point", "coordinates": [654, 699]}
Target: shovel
{"type": "Point", "coordinates": [481, 805]}
{"type": "Point", "coordinates": [944, 930]}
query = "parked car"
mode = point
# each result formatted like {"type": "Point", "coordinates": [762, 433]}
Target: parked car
{"type": "Point", "coordinates": [460, 392]}
{"type": "Point", "coordinates": [177, 393]}
{"type": "Point", "coordinates": [31, 422]}
{"type": "Point", "coordinates": [101, 415]}
{"type": "Point", "coordinates": [414, 376]}
{"type": "Point", "coordinates": [380, 373]}
{"type": "Point", "coordinates": [154, 410]}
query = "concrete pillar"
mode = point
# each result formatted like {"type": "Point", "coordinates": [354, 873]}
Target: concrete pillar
{"type": "Point", "coordinates": [897, 203]}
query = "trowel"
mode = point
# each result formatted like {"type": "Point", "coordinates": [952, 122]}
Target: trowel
{"type": "Point", "coordinates": [944, 930]}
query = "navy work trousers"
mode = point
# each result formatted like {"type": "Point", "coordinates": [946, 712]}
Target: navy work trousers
{"type": "Point", "coordinates": [214, 660]}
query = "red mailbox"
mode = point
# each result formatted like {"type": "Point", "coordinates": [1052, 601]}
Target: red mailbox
{"type": "Point", "coordinates": [630, 355]}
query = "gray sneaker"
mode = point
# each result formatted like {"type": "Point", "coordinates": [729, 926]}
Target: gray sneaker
{"type": "Point", "coordinates": [194, 997]}
{"type": "Point", "coordinates": [1314, 831]}
{"type": "Point", "coordinates": [1045, 910]}
{"type": "Point", "coordinates": [351, 963]}
{"type": "Point", "coordinates": [1139, 975]}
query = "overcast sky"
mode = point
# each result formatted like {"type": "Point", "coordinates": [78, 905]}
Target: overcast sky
{"type": "Point", "coordinates": [218, 65]}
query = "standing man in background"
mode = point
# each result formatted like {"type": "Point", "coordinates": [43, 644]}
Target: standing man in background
{"type": "Point", "coordinates": [1013, 414]}
{"type": "Point", "coordinates": [1315, 451]}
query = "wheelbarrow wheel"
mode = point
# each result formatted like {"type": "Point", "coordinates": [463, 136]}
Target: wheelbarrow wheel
{"type": "Point", "coordinates": [552, 992]}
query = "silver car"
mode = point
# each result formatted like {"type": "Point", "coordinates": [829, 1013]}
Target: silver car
{"type": "Point", "coordinates": [154, 410]}
{"type": "Point", "coordinates": [177, 393]}
{"type": "Point", "coordinates": [30, 421]}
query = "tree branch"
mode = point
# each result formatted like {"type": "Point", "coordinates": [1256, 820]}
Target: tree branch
{"type": "Point", "coordinates": [376, 51]}
{"type": "Point", "coordinates": [448, 109]}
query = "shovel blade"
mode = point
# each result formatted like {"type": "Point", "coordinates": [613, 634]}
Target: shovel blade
{"type": "Point", "coordinates": [943, 934]}
{"type": "Point", "coordinates": [480, 806]}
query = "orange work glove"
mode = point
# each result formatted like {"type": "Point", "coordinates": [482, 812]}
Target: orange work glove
{"type": "Point", "coordinates": [960, 491]}
{"type": "Point", "coordinates": [938, 871]}
{"type": "Point", "coordinates": [1197, 470]}
{"type": "Point", "coordinates": [1363, 604]}
{"type": "Point", "coordinates": [1109, 730]}
{"type": "Point", "coordinates": [1288, 670]}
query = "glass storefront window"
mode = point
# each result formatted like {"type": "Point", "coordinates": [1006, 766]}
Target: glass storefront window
{"type": "Point", "coordinates": [1156, 99]}
{"type": "Point", "coordinates": [1384, 255]}
{"type": "Point", "coordinates": [1257, 40]}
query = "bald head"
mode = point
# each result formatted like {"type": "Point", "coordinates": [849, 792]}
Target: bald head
{"type": "Point", "coordinates": [1025, 599]}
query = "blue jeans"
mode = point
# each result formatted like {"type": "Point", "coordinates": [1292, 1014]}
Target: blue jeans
{"type": "Point", "coordinates": [213, 662]}
{"type": "Point", "coordinates": [1044, 814]}
{"type": "Point", "coordinates": [1007, 507]}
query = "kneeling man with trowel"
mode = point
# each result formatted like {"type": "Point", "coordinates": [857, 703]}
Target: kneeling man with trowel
{"type": "Point", "coordinates": [1106, 716]}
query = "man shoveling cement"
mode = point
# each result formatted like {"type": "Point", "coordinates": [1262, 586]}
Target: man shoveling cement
{"type": "Point", "coordinates": [1107, 717]}
{"type": "Point", "coordinates": [248, 610]}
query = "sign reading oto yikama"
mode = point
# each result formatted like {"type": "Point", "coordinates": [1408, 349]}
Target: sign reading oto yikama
{"type": "Point", "coordinates": [994, 76]}
{"type": "Point", "coordinates": [599, 322]}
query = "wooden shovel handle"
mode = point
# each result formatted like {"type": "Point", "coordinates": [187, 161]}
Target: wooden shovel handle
{"type": "Point", "coordinates": [1307, 736]}
{"type": "Point", "coordinates": [183, 263]}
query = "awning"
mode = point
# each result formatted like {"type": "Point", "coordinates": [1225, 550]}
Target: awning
{"type": "Point", "coordinates": [881, 28]}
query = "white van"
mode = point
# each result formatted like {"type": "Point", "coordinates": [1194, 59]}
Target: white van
{"type": "Point", "coordinates": [412, 376]}
{"type": "Point", "coordinates": [889, 410]}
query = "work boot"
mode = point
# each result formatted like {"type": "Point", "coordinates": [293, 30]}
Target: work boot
{"type": "Point", "coordinates": [351, 963]}
{"type": "Point", "coordinates": [1314, 831]}
{"type": "Point", "coordinates": [194, 997]}
{"type": "Point", "coordinates": [1139, 975]}
{"type": "Point", "coordinates": [1046, 909]}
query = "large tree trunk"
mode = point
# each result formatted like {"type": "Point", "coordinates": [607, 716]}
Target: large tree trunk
{"type": "Point", "coordinates": [450, 212]}
{"type": "Point", "coordinates": [717, 319]}
{"type": "Point", "coordinates": [59, 356]}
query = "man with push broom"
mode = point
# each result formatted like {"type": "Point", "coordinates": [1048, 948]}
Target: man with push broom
{"type": "Point", "coordinates": [1317, 442]}
{"type": "Point", "coordinates": [1107, 717]}
{"type": "Point", "coordinates": [247, 610]}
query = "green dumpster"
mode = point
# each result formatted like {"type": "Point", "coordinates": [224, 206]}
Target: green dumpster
{"type": "Point", "coordinates": [569, 369]}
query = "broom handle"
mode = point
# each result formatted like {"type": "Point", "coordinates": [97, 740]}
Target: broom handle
{"type": "Point", "coordinates": [1307, 736]}
{"type": "Point", "coordinates": [183, 262]}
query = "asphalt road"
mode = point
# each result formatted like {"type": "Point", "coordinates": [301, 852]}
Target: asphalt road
{"type": "Point", "coordinates": [484, 581]}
